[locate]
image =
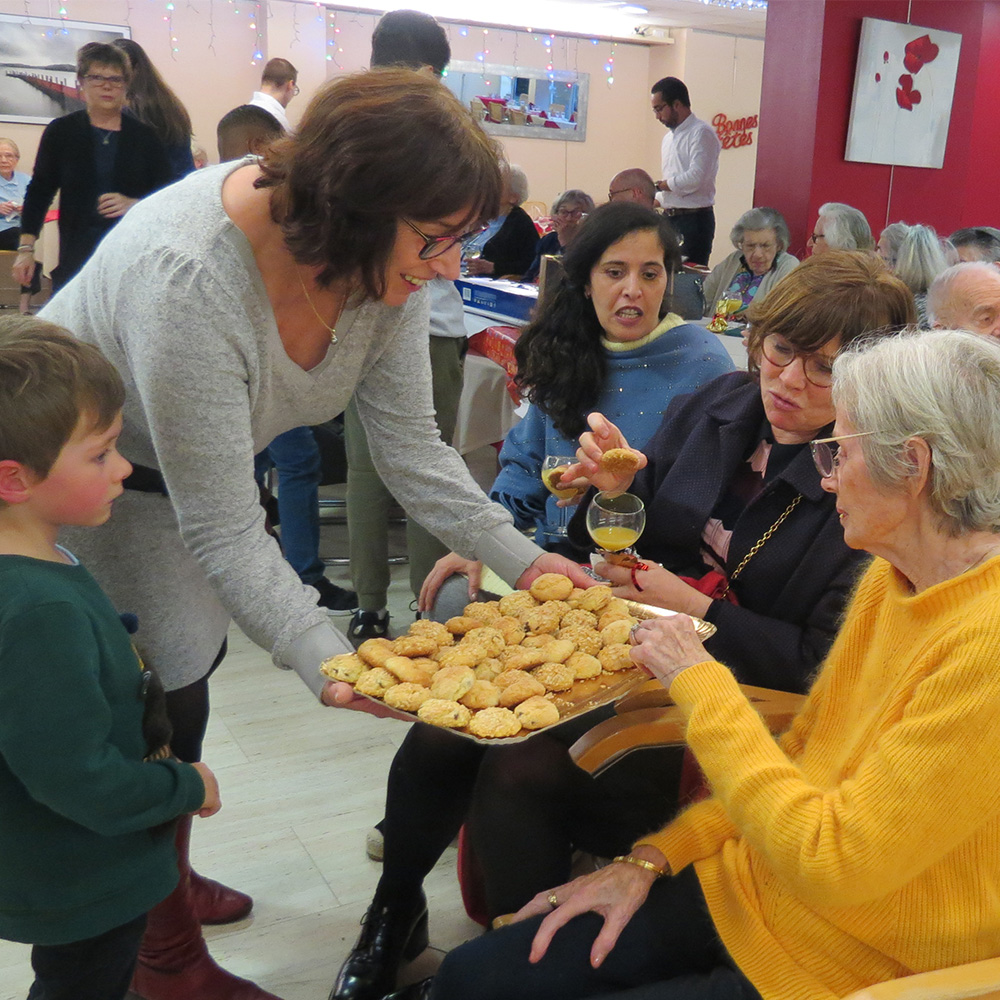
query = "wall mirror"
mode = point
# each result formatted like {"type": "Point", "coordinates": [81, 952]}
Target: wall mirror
{"type": "Point", "coordinates": [516, 101]}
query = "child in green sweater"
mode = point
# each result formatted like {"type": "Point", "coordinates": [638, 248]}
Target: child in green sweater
{"type": "Point", "coordinates": [86, 803]}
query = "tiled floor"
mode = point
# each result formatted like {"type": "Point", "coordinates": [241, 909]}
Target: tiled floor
{"type": "Point", "coordinates": [301, 786]}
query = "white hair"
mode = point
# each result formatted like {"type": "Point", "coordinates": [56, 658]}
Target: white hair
{"type": "Point", "coordinates": [517, 180]}
{"type": "Point", "coordinates": [939, 385]}
{"type": "Point", "coordinates": [917, 258]}
{"type": "Point", "coordinates": [942, 290]}
{"type": "Point", "coordinates": [762, 218]}
{"type": "Point", "coordinates": [846, 228]}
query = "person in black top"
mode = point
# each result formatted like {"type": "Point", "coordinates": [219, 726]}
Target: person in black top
{"type": "Point", "coordinates": [100, 161]}
{"type": "Point", "coordinates": [509, 249]}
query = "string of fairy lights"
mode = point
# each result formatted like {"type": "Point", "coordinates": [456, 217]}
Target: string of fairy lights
{"type": "Point", "coordinates": [255, 11]}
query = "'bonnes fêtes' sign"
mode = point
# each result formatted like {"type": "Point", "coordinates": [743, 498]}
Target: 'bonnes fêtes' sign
{"type": "Point", "coordinates": [736, 132]}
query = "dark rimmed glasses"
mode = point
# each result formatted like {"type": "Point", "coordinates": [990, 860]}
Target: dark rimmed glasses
{"type": "Point", "coordinates": [826, 452]}
{"type": "Point", "coordinates": [818, 368]}
{"type": "Point", "coordinates": [435, 246]}
{"type": "Point", "coordinates": [97, 80]}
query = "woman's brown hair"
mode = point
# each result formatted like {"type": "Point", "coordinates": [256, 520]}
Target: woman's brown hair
{"type": "Point", "coordinates": [845, 293]}
{"type": "Point", "coordinates": [374, 148]}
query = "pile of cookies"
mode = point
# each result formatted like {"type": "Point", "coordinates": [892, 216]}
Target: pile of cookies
{"type": "Point", "coordinates": [494, 670]}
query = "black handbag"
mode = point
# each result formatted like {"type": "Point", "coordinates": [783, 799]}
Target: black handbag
{"type": "Point", "coordinates": [686, 294]}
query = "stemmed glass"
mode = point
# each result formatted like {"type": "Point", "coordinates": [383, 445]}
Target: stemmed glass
{"type": "Point", "coordinates": [552, 469]}
{"type": "Point", "coordinates": [471, 254]}
{"type": "Point", "coordinates": [615, 520]}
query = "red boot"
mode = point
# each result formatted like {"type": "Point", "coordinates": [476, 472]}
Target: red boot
{"type": "Point", "coordinates": [174, 963]}
{"type": "Point", "coordinates": [215, 903]}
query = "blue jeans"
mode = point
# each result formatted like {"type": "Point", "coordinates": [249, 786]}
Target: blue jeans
{"type": "Point", "coordinates": [295, 455]}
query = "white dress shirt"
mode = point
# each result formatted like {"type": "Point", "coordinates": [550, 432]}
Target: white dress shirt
{"type": "Point", "coordinates": [690, 161]}
{"type": "Point", "coordinates": [272, 106]}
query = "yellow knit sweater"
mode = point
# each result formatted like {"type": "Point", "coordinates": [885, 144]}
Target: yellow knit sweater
{"type": "Point", "coordinates": [865, 844]}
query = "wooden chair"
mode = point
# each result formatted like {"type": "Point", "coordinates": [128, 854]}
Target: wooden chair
{"type": "Point", "coordinates": [536, 209]}
{"type": "Point", "coordinates": [647, 717]}
{"type": "Point", "coordinates": [558, 110]}
{"type": "Point", "coordinates": [477, 108]}
{"type": "Point", "coordinates": [496, 111]}
{"type": "Point", "coordinates": [518, 117]}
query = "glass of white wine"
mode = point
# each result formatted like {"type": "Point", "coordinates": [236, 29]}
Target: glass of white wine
{"type": "Point", "coordinates": [615, 520]}
{"type": "Point", "coordinates": [552, 469]}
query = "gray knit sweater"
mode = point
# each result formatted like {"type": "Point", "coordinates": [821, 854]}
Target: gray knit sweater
{"type": "Point", "coordinates": [174, 298]}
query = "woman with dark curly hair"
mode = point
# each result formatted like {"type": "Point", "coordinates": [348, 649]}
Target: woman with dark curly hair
{"type": "Point", "coordinates": [250, 299]}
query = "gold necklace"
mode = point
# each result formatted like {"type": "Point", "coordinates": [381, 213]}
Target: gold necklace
{"type": "Point", "coordinates": [332, 330]}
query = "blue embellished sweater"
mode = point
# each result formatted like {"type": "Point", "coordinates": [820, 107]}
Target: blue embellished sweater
{"type": "Point", "coordinates": [643, 377]}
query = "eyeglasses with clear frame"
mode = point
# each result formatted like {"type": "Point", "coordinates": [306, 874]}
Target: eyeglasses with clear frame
{"type": "Point", "coordinates": [817, 367]}
{"type": "Point", "coordinates": [435, 246]}
{"type": "Point", "coordinates": [826, 452]}
{"type": "Point", "coordinates": [765, 247]}
{"type": "Point", "coordinates": [815, 238]}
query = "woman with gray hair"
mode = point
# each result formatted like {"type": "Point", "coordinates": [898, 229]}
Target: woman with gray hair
{"type": "Point", "coordinates": [507, 245]}
{"type": "Point", "coordinates": [568, 211]}
{"type": "Point", "coordinates": [840, 227]}
{"type": "Point", "coordinates": [915, 255]}
{"type": "Point", "coordinates": [848, 852]}
{"type": "Point", "coordinates": [756, 266]}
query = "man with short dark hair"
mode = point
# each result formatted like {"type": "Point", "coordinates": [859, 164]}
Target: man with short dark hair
{"type": "Point", "coordinates": [633, 184]}
{"type": "Point", "coordinates": [977, 243]}
{"type": "Point", "coordinates": [410, 39]}
{"type": "Point", "coordinates": [246, 129]}
{"type": "Point", "coordinates": [277, 87]}
{"type": "Point", "coordinates": [690, 161]}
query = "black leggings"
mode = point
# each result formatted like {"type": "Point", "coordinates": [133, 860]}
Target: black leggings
{"type": "Point", "coordinates": [187, 708]}
{"type": "Point", "coordinates": [527, 807]}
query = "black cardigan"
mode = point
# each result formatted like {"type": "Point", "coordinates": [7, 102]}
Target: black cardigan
{"type": "Point", "coordinates": [65, 163]}
{"type": "Point", "coordinates": [793, 592]}
{"type": "Point", "coordinates": [512, 248]}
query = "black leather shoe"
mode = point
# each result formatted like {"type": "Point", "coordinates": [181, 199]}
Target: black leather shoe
{"type": "Point", "coordinates": [389, 935]}
{"type": "Point", "coordinates": [415, 991]}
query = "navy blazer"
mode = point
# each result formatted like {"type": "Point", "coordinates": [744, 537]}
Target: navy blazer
{"type": "Point", "coordinates": [65, 163]}
{"type": "Point", "coordinates": [793, 592]}
{"type": "Point", "coordinates": [512, 248]}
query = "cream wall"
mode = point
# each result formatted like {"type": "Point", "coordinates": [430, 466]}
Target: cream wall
{"type": "Point", "coordinates": [213, 71]}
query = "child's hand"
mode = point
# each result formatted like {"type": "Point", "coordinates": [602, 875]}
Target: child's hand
{"type": "Point", "coordinates": [212, 803]}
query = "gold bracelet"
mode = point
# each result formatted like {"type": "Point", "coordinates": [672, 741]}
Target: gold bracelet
{"type": "Point", "coordinates": [631, 859]}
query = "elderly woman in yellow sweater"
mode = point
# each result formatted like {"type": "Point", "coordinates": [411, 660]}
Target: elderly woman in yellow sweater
{"type": "Point", "coordinates": [862, 845]}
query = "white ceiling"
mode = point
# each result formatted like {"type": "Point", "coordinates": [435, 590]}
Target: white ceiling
{"type": "Point", "coordinates": [695, 14]}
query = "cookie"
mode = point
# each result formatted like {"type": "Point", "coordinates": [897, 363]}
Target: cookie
{"type": "Point", "coordinates": [551, 587]}
{"type": "Point", "coordinates": [514, 604]}
{"type": "Point", "coordinates": [488, 669]}
{"type": "Point", "coordinates": [443, 712]}
{"type": "Point", "coordinates": [615, 658]}
{"type": "Point", "coordinates": [595, 598]}
{"type": "Point", "coordinates": [436, 630]}
{"type": "Point", "coordinates": [584, 666]}
{"type": "Point", "coordinates": [586, 640]}
{"type": "Point", "coordinates": [522, 657]}
{"type": "Point", "coordinates": [536, 713]}
{"type": "Point", "coordinates": [495, 723]}
{"type": "Point", "coordinates": [415, 645]}
{"type": "Point", "coordinates": [482, 694]}
{"type": "Point", "coordinates": [376, 651]}
{"type": "Point", "coordinates": [617, 631]}
{"type": "Point", "coordinates": [577, 616]}
{"type": "Point", "coordinates": [485, 612]}
{"type": "Point", "coordinates": [461, 624]}
{"type": "Point", "coordinates": [346, 667]}
{"type": "Point", "coordinates": [558, 650]}
{"type": "Point", "coordinates": [555, 676]}
{"type": "Point", "coordinates": [452, 682]}
{"type": "Point", "coordinates": [375, 682]}
{"type": "Point", "coordinates": [406, 670]}
{"type": "Point", "coordinates": [491, 639]}
{"type": "Point", "coordinates": [620, 462]}
{"type": "Point", "coordinates": [465, 654]}
{"type": "Point", "coordinates": [406, 697]}
{"type": "Point", "coordinates": [520, 691]}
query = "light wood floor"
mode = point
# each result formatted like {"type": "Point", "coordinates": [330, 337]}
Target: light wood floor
{"type": "Point", "coordinates": [301, 786]}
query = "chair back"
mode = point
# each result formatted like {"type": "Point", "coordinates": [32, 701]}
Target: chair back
{"type": "Point", "coordinates": [535, 209]}
{"type": "Point", "coordinates": [477, 108]}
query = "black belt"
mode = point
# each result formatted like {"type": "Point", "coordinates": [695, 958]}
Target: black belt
{"type": "Point", "coordinates": [146, 480]}
{"type": "Point", "coordinates": [686, 211]}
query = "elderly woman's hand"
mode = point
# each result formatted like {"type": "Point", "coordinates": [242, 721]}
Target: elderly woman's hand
{"type": "Point", "coordinates": [666, 646]}
{"type": "Point", "coordinates": [659, 586]}
{"type": "Point", "coordinates": [615, 892]}
{"type": "Point", "coordinates": [478, 266]}
{"type": "Point", "coordinates": [446, 566]}
{"type": "Point", "coordinates": [602, 436]}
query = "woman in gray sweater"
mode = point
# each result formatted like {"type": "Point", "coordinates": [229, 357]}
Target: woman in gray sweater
{"type": "Point", "coordinates": [250, 299]}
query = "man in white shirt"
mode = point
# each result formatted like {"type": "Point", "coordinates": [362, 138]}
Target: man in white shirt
{"type": "Point", "coordinates": [277, 88]}
{"type": "Point", "coordinates": [690, 161]}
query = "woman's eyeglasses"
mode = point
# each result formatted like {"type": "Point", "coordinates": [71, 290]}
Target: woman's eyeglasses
{"type": "Point", "coordinates": [817, 367]}
{"type": "Point", "coordinates": [826, 452]}
{"type": "Point", "coordinates": [435, 246]}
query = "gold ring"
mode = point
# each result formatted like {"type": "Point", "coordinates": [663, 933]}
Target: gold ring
{"type": "Point", "coordinates": [553, 902]}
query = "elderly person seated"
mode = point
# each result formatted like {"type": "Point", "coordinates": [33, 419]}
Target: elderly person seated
{"type": "Point", "coordinates": [756, 266]}
{"type": "Point", "coordinates": [856, 849]}
{"type": "Point", "coordinates": [840, 227]}
{"type": "Point", "coordinates": [568, 211]}
{"type": "Point", "coordinates": [507, 245]}
{"type": "Point", "coordinates": [977, 243]}
{"type": "Point", "coordinates": [914, 254]}
{"type": "Point", "coordinates": [633, 184]}
{"type": "Point", "coordinates": [966, 297]}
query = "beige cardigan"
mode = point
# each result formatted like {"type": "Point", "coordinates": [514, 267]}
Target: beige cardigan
{"type": "Point", "coordinates": [722, 274]}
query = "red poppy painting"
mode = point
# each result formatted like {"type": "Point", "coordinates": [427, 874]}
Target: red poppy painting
{"type": "Point", "coordinates": [903, 89]}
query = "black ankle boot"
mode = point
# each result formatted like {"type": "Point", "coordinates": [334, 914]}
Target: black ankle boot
{"type": "Point", "coordinates": [390, 934]}
{"type": "Point", "coordinates": [415, 991]}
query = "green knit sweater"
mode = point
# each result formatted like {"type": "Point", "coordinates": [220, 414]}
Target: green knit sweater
{"type": "Point", "coordinates": [865, 845]}
{"type": "Point", "coordinates": [85, 838]}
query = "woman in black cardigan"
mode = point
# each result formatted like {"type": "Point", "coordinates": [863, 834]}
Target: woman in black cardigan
{"type": "Point", "coordinates": [512, 248]}
{"type": "Point", "coordinates": [101, 161]}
